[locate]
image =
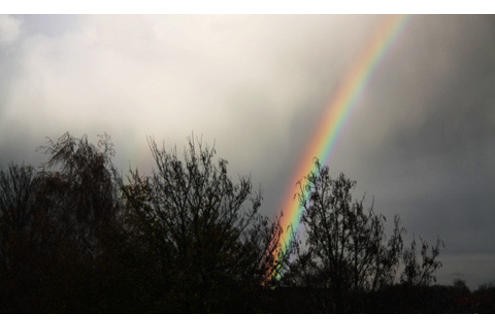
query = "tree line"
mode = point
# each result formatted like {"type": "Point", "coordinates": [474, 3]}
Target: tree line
{"type": "Point", "coordinates": [78, 236]}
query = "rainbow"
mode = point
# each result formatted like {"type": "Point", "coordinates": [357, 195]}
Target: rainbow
{"type": "Point", "coordinates": [324, 140]}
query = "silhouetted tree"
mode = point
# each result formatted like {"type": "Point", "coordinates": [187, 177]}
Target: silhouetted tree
{"type": "Point", "coordinates": [86, 177]}
{"type": "Point", "coordinates": [17, 204]}
{"type": "Point", "coordinates": [347, 250]}
{"type": "Point", "coordinates": [59, 227]}
{"type": "Point", "coordinates": [421, 273]}
{"type": "Point", "coordinates": [204, 229]}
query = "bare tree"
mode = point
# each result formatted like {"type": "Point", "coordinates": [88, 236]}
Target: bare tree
{"type": "Point", "coordinates": [347, 249]}
{"type": "Point", "coordinates": [17, 204]}
{"type": "Point", "coordinates": [421, 273]}
{"type": "Point", "coordinates": [82, 181]}
{"type": "Point", "coordinates": [204, 229]}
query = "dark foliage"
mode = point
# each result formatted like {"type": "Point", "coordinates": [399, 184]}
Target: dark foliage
{"type": "Point", "coordinates": [76, 236]}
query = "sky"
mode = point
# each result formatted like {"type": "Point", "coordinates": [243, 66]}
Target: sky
{"type": "Point", "coordinates": [419, 140]}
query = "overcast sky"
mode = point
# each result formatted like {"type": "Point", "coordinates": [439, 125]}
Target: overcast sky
{"type": "Point", "coordinates": [420, 140]}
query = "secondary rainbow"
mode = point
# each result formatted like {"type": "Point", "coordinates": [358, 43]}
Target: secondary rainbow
{"type": "Point", "coordinates": [335, 115]}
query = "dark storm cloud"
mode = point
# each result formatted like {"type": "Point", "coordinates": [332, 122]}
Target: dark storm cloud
{"type": "Point", "coordinates": [420, 141]}
{"type": "Point", "coordinates": [447, 154]}
{"type": "Point", "coordinates": [433, 104]}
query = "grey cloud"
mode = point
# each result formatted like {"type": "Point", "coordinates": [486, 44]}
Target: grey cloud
{"type": "Point", "coordinates": [9, 29]}
{"type": "Point", "coordinates": [433, 162]}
